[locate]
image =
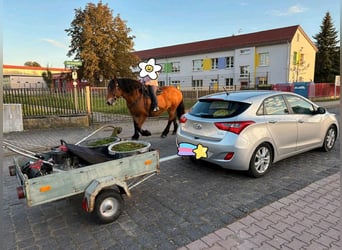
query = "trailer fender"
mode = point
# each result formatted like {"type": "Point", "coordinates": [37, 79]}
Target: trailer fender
{"type": "Point", "coordinates": [95, 187]}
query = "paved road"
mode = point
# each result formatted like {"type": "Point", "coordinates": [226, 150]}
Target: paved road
{"type": "Point", "coordinates": [182, 204]}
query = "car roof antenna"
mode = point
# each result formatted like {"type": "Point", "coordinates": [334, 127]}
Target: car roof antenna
{"type": "Point", "coordinates": [225, 90]}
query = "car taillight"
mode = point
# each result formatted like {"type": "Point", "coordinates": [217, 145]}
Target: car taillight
{"type": "Point", "coordinates": [234, 127]}
{"type": "Point", "coordinates": [229, 156]}
{"type": "Point", "coordinates": [182, 119]}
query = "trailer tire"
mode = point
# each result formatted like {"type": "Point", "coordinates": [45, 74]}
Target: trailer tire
{"type": "Point", "coordinates": [108, 206]}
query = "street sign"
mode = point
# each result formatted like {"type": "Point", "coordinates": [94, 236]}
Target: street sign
{"type": "Point", "coordinates": [72, 63]}
{"type": "Point", "coordinates": [74, 75]}
{"type": "Point", "coordinates": [337, 80]}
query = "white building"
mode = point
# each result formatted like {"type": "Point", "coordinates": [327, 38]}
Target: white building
{"type": "Point", "coordinates": [283, 55]}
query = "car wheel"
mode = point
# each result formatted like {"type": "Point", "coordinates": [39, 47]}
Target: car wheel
{"type": "Point", "coordinates": [261, 160]}
{"type": "Point", "coordinates": [108, 206]}
{"type": "Point", "coordinates": [329, 139]}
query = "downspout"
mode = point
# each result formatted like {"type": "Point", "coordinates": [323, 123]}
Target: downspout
{"type": "Point", "coordinates": [288, 62]}
{"type": "Point", "coordinates": [256, 61]}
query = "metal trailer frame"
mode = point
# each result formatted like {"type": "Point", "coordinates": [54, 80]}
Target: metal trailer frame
{"type": "Point", "coordinates": [102, 184]}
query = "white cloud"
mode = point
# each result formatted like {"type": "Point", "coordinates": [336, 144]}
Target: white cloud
{"type": "Point", "coordinates": [54, 43]}
{"type": "Point", "coordinates": [295, 9]}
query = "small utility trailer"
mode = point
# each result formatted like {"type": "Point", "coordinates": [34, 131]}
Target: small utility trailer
{"type": "Point", "coordinates": [103, 184]}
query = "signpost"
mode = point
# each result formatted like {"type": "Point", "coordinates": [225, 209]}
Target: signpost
{"type": "Point", "coordinates": [74, 77]}
{"type": "Point", "coordinates": [73, 63]}
{"type": "Point", "coordinates": [337, 83]}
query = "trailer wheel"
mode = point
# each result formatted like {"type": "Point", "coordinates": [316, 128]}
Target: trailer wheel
{"type": "Point", "coordinates": [108, 206]}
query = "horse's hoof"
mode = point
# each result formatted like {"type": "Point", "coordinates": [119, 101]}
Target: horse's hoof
{"type": "Point", "coordinates": [163, 136]}
{"type": "Point", "coordinates": [135, 138]}
{"type": "Point", "coordinates": [146, 133]}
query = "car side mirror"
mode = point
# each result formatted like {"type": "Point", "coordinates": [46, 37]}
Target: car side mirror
{"type": "Point", "coordinates": [320, 110]}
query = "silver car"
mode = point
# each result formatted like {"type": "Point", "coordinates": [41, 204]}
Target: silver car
{"type": "Point", "coordinates": [250, 130]}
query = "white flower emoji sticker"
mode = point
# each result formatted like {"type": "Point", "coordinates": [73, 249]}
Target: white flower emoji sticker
{"type": "Point", "coordinates": [149, 69]}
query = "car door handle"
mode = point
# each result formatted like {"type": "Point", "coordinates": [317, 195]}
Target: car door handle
{"type": "Point", "coordinates": [272, 121]}
{"type": "Point", "coordinates": [301, 121]}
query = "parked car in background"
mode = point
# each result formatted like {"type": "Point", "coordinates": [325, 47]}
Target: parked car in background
{"type": "Point", "coordinates": [251, 130]}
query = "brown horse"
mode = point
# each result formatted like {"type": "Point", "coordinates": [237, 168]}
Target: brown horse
{"type": "Point", "coordinates": [139, 103]}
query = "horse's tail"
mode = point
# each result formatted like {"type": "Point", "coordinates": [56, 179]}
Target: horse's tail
{"type": "Point", "coordinates": [180, 109]}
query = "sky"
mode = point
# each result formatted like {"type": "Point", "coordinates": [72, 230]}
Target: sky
{"type": "Point", "coordinates": [34, 30]}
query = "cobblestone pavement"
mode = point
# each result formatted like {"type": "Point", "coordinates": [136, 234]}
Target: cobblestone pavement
{"type": "Point", "coordinates": [295, 206]}
{"type": "Point", "coordinates": [307, 219]}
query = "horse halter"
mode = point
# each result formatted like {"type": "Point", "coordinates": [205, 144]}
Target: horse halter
{"type": "Point", "coordinates": [112, 86]}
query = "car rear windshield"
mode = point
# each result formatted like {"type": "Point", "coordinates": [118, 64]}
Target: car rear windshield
{"type": "Point", "coordinates": [218, 108]}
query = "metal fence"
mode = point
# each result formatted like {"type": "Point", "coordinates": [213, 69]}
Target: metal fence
{"type": "Point", "coordinates": [100, 112]}
{"type": "Point", "coordinates": [45, 102]}
{"type": "Point", "coordinates": [91, 101]}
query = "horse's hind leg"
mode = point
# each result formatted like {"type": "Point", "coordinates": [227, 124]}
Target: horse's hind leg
{"type": "Point", "coordinates": [167, 129]}
{"type": "Point", "coordinates": [175, 126]}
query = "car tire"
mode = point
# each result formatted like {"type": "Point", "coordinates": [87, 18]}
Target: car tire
{"type": "Point", "coordinates": [329, 139]}
{"type": "Point", "coordinates": [261, 160]}
{"type": "Point", "coordinates": [108, 206]}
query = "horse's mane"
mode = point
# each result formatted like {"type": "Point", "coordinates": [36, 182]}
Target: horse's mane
{"type": "Point", "coordinates": [128, 85]}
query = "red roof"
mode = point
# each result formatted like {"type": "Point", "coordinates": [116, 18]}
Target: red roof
{"type": "Point", "coordinates": [5, 66]}
{"type": "Point", "coordinates": [268, 37]}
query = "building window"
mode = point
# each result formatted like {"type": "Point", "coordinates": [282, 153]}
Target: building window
{"type": "Point", "coordinates": [229, 62]}
{"type": "Point", "coordinates": [161, 83]}
{"type": "Point", "coordinates": [171, 67]}
{"type": "Point", "coordinates": [197, 65]}
{"type": "Point", "coordinates": [213, 81]}
{"type": "Point", "coordinates": [214, 63]}
{"type": "Point", "coordinates": [229, 81]}
{"type": "Point", "coordinates": [165, 67]}
{"type": "Point", "coordinates": [197, 83]}
{"type": "Point", "coordinates": [301, 59]}
{"type": "Point", "coordinates": [176, 84]}
{"type": "Point", "coordinates": [176, 67]}
{"type": "Point", "coordinates": [214, 84]}
{"type": "Point", "coordinates": [298, 58]}
{"type": "Point", "coordinates": [244, 71]}
{"type": "Point", "coordinates": [262, 80]}
{"type": "Point", "coordinates": [264, 59]}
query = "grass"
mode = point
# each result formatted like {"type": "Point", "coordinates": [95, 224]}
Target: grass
{"type": "Point", "coordinates": [324, 99]}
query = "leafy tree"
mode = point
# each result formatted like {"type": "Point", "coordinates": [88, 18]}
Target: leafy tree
{"type": "Point", "coordinates": [328, 55]}
{"type": "Point", "coordinates": [32, 64]}
{"type": "Point", "coordinates": [102, 42]}
{"type": "Point", "coordinates": [47, 77]}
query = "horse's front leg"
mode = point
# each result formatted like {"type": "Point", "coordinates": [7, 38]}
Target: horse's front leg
{"type": "Point", "coordinates": [137, 129]}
